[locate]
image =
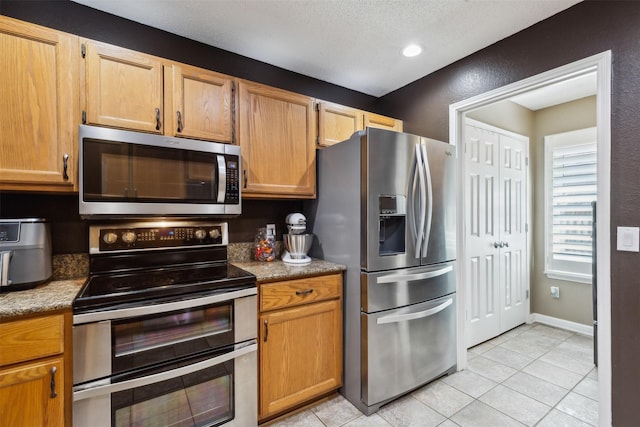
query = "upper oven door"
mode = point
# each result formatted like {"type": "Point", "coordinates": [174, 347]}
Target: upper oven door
{"type": "Point", "coordinates": [132, 173]}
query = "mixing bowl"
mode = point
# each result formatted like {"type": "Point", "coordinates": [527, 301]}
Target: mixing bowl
{"type": "Point", "coordinates": [297, 244]}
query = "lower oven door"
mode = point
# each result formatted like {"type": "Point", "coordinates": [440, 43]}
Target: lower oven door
{"type": "Point", "coordinates": [200, 391]}
{"type": "Point", "coordinates": [407, 347]}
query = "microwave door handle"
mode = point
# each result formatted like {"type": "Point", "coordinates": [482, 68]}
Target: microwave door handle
{"type": "Point", "coordinates": [421, 200]}
{"type": "Point", "coordinates": [395, 318]}
{"type": "Point", "coordinates": [5, 259]}
{"type": "Point", "coordinates": [222, 178]}
{"type": "Point", "coordinates": [394, 278]}
{"type": "Point", "coordinates": [103, 387]}
{"type": "Point", "coordinates": [428, 201]}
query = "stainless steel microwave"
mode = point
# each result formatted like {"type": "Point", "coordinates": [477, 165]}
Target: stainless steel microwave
{"type": "Point", "coordinates": [124, 173]}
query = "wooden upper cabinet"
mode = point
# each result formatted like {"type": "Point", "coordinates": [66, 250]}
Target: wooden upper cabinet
{"type": "Point", "coordinates": [39, 96]}
{"type": "Point", "coordinates": [199, 103]}
{"type": "Point", "coordinates": [383, 122]}
{"type": "Point", "coordinates": [277, 131]}
{"type": "Point", "coordinates": [123, 88]}
{"type": "Point", "coordinates": [337, 122]}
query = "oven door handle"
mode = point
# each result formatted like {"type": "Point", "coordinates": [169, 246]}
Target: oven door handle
{"type": "Point", "coordinates": [122, 313]}
{"type": "Point", "coordinates": [103, 387]}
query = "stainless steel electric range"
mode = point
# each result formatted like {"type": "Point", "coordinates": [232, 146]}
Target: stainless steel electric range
{"type": "Point", "coordinates": [164, 329]}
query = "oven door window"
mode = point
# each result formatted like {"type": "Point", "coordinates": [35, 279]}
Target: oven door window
{"type": "Point", "coordinates": [143, 341]}
{"type": "Point", "coordinates": [118, 171]}
{"type": "Point", "coordinates": [203, 398]}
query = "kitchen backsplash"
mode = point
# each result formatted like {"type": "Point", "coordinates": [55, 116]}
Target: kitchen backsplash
{"type": "Point", "coordinates": [70, 233]}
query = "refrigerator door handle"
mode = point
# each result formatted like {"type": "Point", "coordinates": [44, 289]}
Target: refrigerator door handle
{"type": "Point", "coordinates": [411, 191]}
{"type": "Point", "coordinates": [422, 199]}
{"type": "Point", "coordinates": [394, 278]}
{"type": "Point", "coordinates": [394, 318]}
{"type": "Point", "coordinates": [428, 201]}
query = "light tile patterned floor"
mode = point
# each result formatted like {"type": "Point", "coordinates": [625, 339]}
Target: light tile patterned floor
{"type": "Point", "coordinates": [533, 375]}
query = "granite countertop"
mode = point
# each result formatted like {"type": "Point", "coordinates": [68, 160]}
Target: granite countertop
{"type": "Point", "coordinates": [278, 270]}
{"type": "Point", "coordinates": [55, 295]}
{"type": "Point", "coordinates": [70, 273]}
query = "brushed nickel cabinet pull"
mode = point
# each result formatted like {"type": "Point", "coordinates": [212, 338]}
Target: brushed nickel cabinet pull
{"type": "Point", "coordinates": [157, 119]}
{"type": "Point", "coordinates": [52, 385]}
{"type": "Point", "coordinates": [305, 292]}
{"type": "Point", "coordinates": [266, 330]}
{"type": "Point", "coordinates": [65, 166]}
{"type": "Point", "coordinates": [180, 126]}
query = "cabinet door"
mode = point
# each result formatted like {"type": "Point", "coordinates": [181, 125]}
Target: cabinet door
{"type": "Point", "coordinates": [32, 394]}
{"type": "Point", "coordinates": [199, 103]}
{"type": "Point", "coordinates": [300, 355]}
{"type": "Point", "coordinates": [337, 123]}
{"type": "Point", "coordinates": [277, 137]}
{"type": "Point", "coordinates": [38, 89]}
{"type": "Point", "coordinates": [123, 88]}
{"type": "Point", "coordinates": [382, 122]}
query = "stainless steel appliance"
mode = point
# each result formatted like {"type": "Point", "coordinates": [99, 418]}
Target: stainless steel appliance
{"type": "Point", "coordinates": [386, 209]}
{"type": "Point", "coordinates": [136, 174]}
{"type": "Point", "coordinates": [164, 329]}
{"type": "Point", "coordinates": [25, 253]}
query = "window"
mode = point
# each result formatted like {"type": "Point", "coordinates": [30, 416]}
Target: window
{"type": "Point", "coordinates": [570, 188]}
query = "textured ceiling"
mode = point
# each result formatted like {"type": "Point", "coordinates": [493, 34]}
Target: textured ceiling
{"type": "Point", "coordinates": [352, 43]}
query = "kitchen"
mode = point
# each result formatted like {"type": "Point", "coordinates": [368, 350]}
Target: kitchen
{"type": "Point", "coordinates": [605, 27]}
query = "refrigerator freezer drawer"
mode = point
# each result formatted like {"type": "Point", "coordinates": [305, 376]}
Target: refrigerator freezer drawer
{"type": "Point", "coordinates": [407, 347]}
{"type": "Point", "coordinates": [397, 288]}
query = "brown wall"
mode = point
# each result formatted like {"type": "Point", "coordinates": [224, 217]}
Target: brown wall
{"type": "Point", "coordinates": [585, 29]}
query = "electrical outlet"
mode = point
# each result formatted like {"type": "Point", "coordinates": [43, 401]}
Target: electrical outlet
{"type": "Point", "coordinates": [555, 292]}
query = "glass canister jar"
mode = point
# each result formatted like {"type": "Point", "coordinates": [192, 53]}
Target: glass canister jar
{"type": "Point", "coordinates": [265, 245]}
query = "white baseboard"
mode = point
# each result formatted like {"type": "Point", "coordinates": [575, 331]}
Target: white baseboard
{"type": "Point", "coordinates": [561, 323]}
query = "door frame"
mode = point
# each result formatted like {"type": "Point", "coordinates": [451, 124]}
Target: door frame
{"type": "Point", "coordinates": [461, 243]}
{"type": "Point", "coordinates": [601, 64]}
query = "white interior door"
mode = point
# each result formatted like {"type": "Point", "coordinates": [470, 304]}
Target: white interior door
{"type": "Point", "coordinates": [495, 232]}
{"type": "Point", "coordinates": [513, 233]}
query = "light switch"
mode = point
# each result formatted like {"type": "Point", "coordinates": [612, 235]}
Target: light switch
{"type": "Point", "coordinates": [629, 239]}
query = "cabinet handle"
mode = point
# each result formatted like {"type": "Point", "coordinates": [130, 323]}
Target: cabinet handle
{"type": "Point", "coordinates": [496, 245]}
{"type": "Point", "coordinates": [245, 178]}
{"type": "Point", "coordinates": [506, 244]}
{"type": "Point", "coordinates": [179, 121]}
{"type": "Point", "coordinates": [53, 382]}
{"type": "Point", "coordinates": [266, 330]}
{"type": "Point", "coordinates": [65, 166]}
{"type": "Point", "coordinates": [157, 119]}
{"type": "Point", "coordinates": [305, 292]}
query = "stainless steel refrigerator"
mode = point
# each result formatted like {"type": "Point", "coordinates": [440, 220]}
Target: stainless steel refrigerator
{"type": "Point", "coordinates": [386, 209]}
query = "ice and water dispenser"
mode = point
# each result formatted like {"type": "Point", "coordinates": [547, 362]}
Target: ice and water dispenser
{"type": "Point", "coordinates": [392, 219]}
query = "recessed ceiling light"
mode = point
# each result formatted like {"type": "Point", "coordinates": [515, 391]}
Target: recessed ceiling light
{"type": "Point", "coordinates": [412, 50]}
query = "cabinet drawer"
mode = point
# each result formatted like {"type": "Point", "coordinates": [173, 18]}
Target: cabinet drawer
{"type": "Point", "coordinates": [29, 339]}
{"type": "Point", "coordinates": [300, 291]}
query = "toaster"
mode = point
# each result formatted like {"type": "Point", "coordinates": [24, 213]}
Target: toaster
{"type": "Point", "coordinates": [25, 253]}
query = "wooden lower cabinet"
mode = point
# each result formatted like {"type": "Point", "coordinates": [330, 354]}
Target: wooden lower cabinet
{"type": "Point", "coordinates": [35, 376]}
{"type": "Point", "coordinates": [32, 394]}
{"type": "Point", "coordinates": [300, 348]}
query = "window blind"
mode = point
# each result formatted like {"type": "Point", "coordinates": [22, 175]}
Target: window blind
{"type": "Point", "coordinates": [574, 187]}
{"type": "Point", "coordinates": [570, 187]}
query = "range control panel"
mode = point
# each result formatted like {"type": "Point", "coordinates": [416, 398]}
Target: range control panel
{"type": "Point", "coordinates": [141, 236]}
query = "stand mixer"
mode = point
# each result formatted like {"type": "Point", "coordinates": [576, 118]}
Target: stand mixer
{"type": "Point", "coordinates": [297, 243]}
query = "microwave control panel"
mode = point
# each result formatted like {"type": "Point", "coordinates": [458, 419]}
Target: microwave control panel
{"type": "Point", "coordinates": [232, 193]}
